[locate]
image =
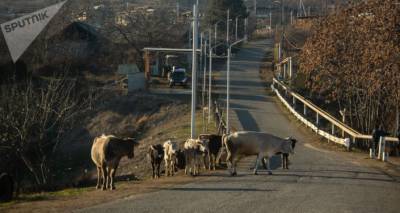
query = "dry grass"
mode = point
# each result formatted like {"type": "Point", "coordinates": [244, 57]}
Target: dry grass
{"type": "Point", "coordinates": [155, 119]}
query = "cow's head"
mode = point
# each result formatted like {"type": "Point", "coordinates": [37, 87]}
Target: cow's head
{"type": "Point", "coordinates": [202, 145]}
{"type": "Point", "coordinates": [291, 144]}
{"type": "Point", "coordinates": [132, 143]}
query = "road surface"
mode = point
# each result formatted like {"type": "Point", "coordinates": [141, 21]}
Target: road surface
{"type": "Point", "coordinates": [318, 180]}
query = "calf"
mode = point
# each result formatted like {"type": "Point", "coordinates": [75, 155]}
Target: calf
{"type": "Point", "coordinates": [264, 145]}
{"type": "Point", "coordinates": [170, 152]}
{"type": "Point", "coordinates": [284, 156]}
{"type": "Point", "coordinates": [180, 160]}
{"type": "Point", "coordinates": [106, 153]}
{"type": "Point", "coordinates": [194, 149]}
{"type": "Point", "coordinates": [156, 155]}
{"type": "Point", "coordinates": [214, 148]}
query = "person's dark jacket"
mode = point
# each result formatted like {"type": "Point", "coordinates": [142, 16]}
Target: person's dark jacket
{"type": "Point", "coordinates": [377, 134]}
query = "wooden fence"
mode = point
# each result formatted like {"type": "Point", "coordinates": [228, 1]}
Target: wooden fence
{"type": "Point", "coordinates": [346, 139]}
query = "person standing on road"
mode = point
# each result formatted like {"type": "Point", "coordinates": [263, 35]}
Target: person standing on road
{"type": "Point", "coordinates": [398, 142]}
{"type": "Point", "coordinates": [377, 133]}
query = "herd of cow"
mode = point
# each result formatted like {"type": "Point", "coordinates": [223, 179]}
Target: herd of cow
{"type": "Point", "coordinates": [204, 152]}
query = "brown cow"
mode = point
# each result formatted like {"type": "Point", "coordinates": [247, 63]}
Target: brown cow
{"type": "Point", "coordinates": [156, 155]}
{"type": "Point", "coordinates": [107, 151]}
{"type": "Point", "coordinates": [214, 143]}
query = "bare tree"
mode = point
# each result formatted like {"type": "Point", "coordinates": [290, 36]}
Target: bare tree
{"type": "Point", "coordinates": [33, 118]}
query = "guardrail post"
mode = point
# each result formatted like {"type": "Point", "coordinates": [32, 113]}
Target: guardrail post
{"type": "Point", "coordinates": [284, 71]}
{"type": "Point", "coordinates": [317, 119]}
{"type": "Point", "coordinates": [381, 148]}
{"type": "Point", "coordinates": [290, 69]}
{"type": "Point", "coordinates": [294, 102]}
{"type": "Point", "coordinates": [305, 110]}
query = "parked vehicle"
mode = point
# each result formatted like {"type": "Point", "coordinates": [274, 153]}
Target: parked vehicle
{"type": "Point", "coordinates": [178, 76]}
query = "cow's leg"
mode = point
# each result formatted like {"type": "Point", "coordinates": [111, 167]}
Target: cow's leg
{"type": "Point", "coordinates": [263, 163]}
{"type": "Point", "coordinates": [172, 165]}
{"type": "Point", "coordinates": [105, 177]}
{"type": "Point", "coordinates": [229, 162]}
{"type": "Point", "coordinates": [234, 162]}
{"type": "Point", "coordinates": [195, 165]}
{"type": "Point", "coordinates": [166, 167]}
{"type": "Point", "coordinates": [99, 174]}
{"type": "Point", "coordinates": [259, 158]}
{"type": "Point", "coordinates": [153, 169]}
{"type": "Point", "coordinates": [209, 160]}
{"type": "Point", "coordinates": [112, 176]}
{"type": "Point", "coordinates": [204, 162]}
{"type": "Point", "coordinates": [268, 166]}
{"type": "Point", "coordinates": [187, 162]}
{"type": "Point", "coordinates": [158, 169]}
{"type": "Point", "coordinates": [286, 160]}
{"type": "Point", "coordinates": [220, 152]}
{"type": "Point", "coordinates": [213, 161]}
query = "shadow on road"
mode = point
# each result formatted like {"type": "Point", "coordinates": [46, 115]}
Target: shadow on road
{"type": "Point", "coordinates": [192, 189]}
{"type": "Point", "coordinates": [246, 118]}
{"type": "Point", "coordinates": [337, 177]}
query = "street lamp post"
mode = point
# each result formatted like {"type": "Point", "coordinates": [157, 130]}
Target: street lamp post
{"type": "Point", "coordinates": [236, 27]}
{"type": "Point", "coordinates": [194, 72]}
{"type": "Point", "coordinates": [216, 32]}
{"type": "Point", "coordinates": [210, 78]}
{"type": "Point", "coordinates": [227, 28]}
{"type": "Point", "coordinates": [204, 82]}
{"type": "Point", "coordinates": [246, 23]}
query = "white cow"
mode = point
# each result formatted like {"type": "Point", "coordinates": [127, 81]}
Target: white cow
{"type": "Point", "coordinates": [170, 152]}
{"type": "Point", "coordinates": [264, 145]}
{"type": "Point", "coordinates": [194, 150]}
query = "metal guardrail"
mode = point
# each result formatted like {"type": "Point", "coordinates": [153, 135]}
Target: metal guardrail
{"type": "Point", "coordinates": [321, 113]}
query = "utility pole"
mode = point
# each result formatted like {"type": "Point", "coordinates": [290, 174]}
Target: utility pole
{"type": "Point", "coordinates": [255, 7]}
{"type": "Point", "coordinates": [204, 84]}
{"type": "Point", "coordinates": [215, 34]}
{"type": "Point", "coordinates": [270, 20]}
{"type": "Point", "coordinates": [194, 72]}
{"type": "Point", "coordinates": [227, 29]}
{"type": "Point", "coordinates": [228, 85]}
{"type": "Point", "coordinates": [246, 22]}
{"type": "Point", "coordinates": [177, 11]}
{"type": "Point", "coordinates": [228, 80]}
{"type": "Point", "coordinates": [282, 13]}
{"type": "Point", "coordinates": [236, 23]}
{"type": "Point", "coordinates": [210, 79]}
{"type": "Point", "coordinates": [291, 17]}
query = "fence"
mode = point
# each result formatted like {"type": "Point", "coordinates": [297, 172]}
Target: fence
{"type": "Point", "coordinates": [349, 135]}
{"type": "Point", "coordinates": [219, 121]}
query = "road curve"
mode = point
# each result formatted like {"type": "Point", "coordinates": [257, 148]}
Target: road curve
{"type": "Point", "coordinates": [318, 180]}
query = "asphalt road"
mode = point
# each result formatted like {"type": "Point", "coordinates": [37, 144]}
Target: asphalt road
{"type": "Point", "coordinates": [318, 180]}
